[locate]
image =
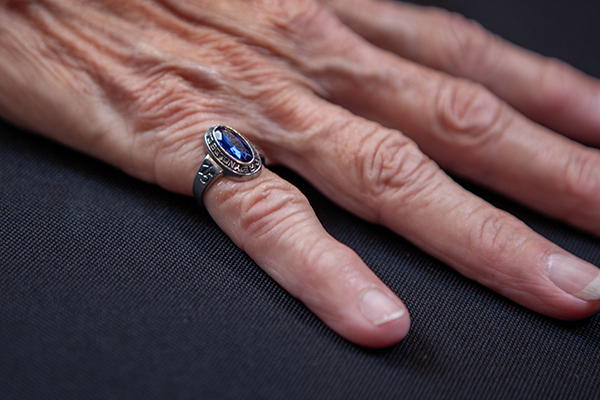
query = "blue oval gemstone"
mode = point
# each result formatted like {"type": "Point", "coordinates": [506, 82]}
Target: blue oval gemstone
{"type": "Point", "coordinates": [233, 144]}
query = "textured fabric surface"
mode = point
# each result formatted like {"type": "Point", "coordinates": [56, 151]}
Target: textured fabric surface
{"type": "Point", "coordinates": [111, 288]}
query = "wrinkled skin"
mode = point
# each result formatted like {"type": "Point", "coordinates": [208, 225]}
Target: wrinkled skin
{"type": "Point", "coordinates": [369, 100]}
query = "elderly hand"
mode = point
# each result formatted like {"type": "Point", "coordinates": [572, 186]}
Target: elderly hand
{"type": "Point", "coordinates": [137, 83]}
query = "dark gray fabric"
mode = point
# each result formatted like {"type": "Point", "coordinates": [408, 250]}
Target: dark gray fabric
{"type": "Point", "coordinates": [111, 288]}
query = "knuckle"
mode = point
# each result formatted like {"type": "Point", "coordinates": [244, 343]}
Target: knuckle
{"type": "Point", "coordinates": [392, 166]}
{"type": "Point", "coordinates": [555, 86]}
{"type": "Point", "coordinates": [302, 20]}
{"type": "Point", "coordinates": [272, 207]}
{"type": "Point", "coordinates": [467, 113]}
{"type": "Point", "coordinates": [498, 235]}
{"type": "Point", "coordinates": [471, 46]}
{"type": "Point", "coordinates": [308, 30]}
{"type": "Point", "coordinates": [581, 183]}
{"type": "Point", "coordinates": [163, 101]}
{"type": "Point", "coordinates": [317, 271]}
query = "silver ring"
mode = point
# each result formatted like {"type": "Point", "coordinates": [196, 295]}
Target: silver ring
{"type": "Point", "coordinates": [228, 154]}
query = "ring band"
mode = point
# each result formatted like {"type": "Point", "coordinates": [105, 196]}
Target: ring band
{"type": "Point", "coordinates": [228, 154]}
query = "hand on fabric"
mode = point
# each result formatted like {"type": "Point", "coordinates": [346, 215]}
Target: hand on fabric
{"type": "Point", "coordinates": [137, 84]}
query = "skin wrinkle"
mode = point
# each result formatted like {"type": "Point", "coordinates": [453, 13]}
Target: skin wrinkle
{"type": "Point", "coordinates": [493, 145]}
{"type": "Point", "coordinates": [488, 230]}
{"type": "Point", "coordinates": [31, 44]}
{"type": "Point", "coordinates": [184, 83]}
{"type": "Point", "coordinates": [340, 76]}
{"type": "Point", "coordinates": [283, 46]}
{"type": "Point", "coordinates": [162, 64]}
{"type": "Point", "coordinates": [295, 105]}
{"type": "Point", "coordinates": [305, 113]}
{"type": "Point", "coordinates": [581, 177]}
{"type": "Point", "coordinates": [79, 42]}
{"type": "Point", "coordinates": [498, 234]}
{"type": "Point", "coordinates": [483, 260]}
{"type": "Point", "coordinates": [49, 47]}
{"type": "Point", "coordinates": [66, 37]}
{"type": "Point", "coordinates": [429, 199]}
{"type": "Point", "coordinates": [188, 28]}
{"type": "Point", "coordinates": [471, 47]}
{"type": "Point", "coordinates": [300, 238]}
{"type": "Point", "coordinates": [520, 278]}
{"type": "Point", "coordinates": [416, 188]}
{"type": "Point", "coordinates": [100, 37]}
{"type": "Point", "coordinates": [313, 31]}
{"type": "Point", "coordinates": [475, 136]}
{"type": "Point", "coordinates": [296, 232]}
{"type": "Point", "coordinates": [186, 151]}
{"type": "Point", "coordinates": [268, 209]}
{"type": "Point", "coordinates": [392, 165]}
{"type": "Point", "coordinates": [52, 46]}
{"type": "Point", "coordinates": [325, 264]}
{"type": "Point", "coordinates": [555, 88]}
{"type": "Point", "coordinates": [400, 206]}
{"type": "Point", "coordinates": [537, 289]}
{"type": "Point", "coordinates": [170, 107]}
{"type": "Point", "coordinates": [381, 82]}
{"type": "Point", "coordinates": [388, 31]}
{"type": "Point", "coordinates": [171, 103]}
{"type": "Point", "coordinates": [468, 114]}
{"type": "Point", "coordinates": [580, 185]}
{"type": "Point", "coordinates": [340, 134]}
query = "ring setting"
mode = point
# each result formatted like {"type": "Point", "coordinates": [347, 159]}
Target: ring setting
{"type": "Point", "coordinates": [229, 154]}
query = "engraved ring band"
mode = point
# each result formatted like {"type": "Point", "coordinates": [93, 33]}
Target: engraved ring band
{"type": "Point", "coordinates": [228, 154]}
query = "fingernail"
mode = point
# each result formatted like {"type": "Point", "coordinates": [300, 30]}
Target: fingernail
{"type": "Point", "coordinates": [574, 276]}
{"type": "Point", "coordinates": [379, 308]}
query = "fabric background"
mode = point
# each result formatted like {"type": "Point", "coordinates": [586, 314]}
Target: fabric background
{"type": "Point", "coordinates": [111, 288]}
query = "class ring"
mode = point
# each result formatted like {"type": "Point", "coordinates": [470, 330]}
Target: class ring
{"type": "Point", "coordinates": [229, 154]}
